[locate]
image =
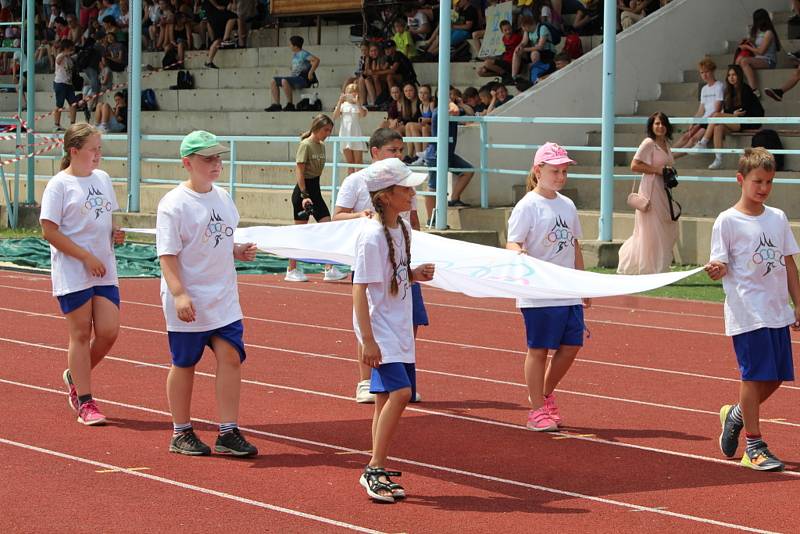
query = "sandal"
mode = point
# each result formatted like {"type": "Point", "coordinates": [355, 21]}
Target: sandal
{"type": "Point", "coordinates": [398, 492]}
{"type": "Point", "coordinates": [371, 481]}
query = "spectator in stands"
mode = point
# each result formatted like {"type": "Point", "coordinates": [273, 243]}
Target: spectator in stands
{"type": "Point", "coordinates": [45, 57]}
{"type": "Point", "coordinates": [502, 65]}
{"type": "Point", "coordinates": [777, 94]}
{"type": "Point", "coordinates": [649, 249]}
{"type": "Point", "coordinates": [711, 96]}
{"type": "Point", "coordinates": [466, 21]}
{"type": "Point", "coordinates": [110, 9]}
{"type": "Point", "coordinates": [61, 29]}
{"type": "Point", "coordinates": [351, 111]}
{"type": "Point", "coordinates": [462, 178]}
{"type": "Point", "coordinates": [393, 111]}
{"type": "Point", "coordinates": [113, 120]}
{"type": "Point", "coordinates": [400, 69]}
{"type": "Point", "coordinates": [537, 45]}
{"type": "Point", "coordinates": [373, 81]}
{"type": "Point", "coordinates": [763, 43]}
{"type": "Point", "coordinates": [500, 96]}
{"type": "Point", "coordinates": [150, 23]}
{"type": "Point", "coordinates": [472, 98]}
{"type": "Point", "coordinates": [410, 115]}
{"type": "Point", "coordinates": [357, 75]}
{"type": "Point", "coordinates": [739, 101]}
{"type": "Point", "coordinates": [88, 11]}
{"type": "Point", "coordinates": [221, 21]}
{"type": "Point", "coordinates": [458, 97]}
{"type": "Point", "coordinates": [631, 11]}
{"type": "Point", "coordinates": [115, 55]}
{"type": "Point", "coordinates": [62, 83]}
{"type": "Point", "coordinates": [419, 25]}
{"type": "Point", "coordinates": [124, 19]}
{"type": "Point", "coordinates": [304, 64]}
{"type": "Point", "coordinates": [589, 17]}
{"type": "Point", "coordinates": [245, 11]}
{"type": "Point", "coordinates": [166, 25]}
{"type": "Point", "coordinates": [427, 103]}
{"type": "Point", "coordinates": [403, 39]}
{"type": "Point", "coordinates": [75, 32]}
{"type": "Point", "coordinates": [106, 76]}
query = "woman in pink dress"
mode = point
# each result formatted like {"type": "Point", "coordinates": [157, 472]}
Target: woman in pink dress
{"type": "Point", "coordinates": [649, 249]}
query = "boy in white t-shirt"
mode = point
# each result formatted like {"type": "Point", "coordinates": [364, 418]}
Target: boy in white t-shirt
{"type": "Point", "coordinates": [751, 251]}
{"type": "Point", "coordinates": [352, 202]}
{"type": "Point", "coordinates": [711, 96]}
{"type": "Point", "coordinates": [382, 312]}
{"type": "Point", "coordinates": [194, 241]}
{"type": "Point", "coordinates": [62, 84]}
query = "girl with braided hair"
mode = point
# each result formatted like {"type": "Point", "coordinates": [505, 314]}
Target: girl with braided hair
{"type": "Point", "coordinates": [382, 309]}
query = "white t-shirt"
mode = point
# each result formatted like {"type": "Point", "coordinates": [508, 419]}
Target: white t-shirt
{"type": "Point", "coordinates": [417, 21]}
{"type": "Point", "coordinates": [756, 290]}
{"type": "Point", "coordinates": [710, 96]}
{"type": "Point", "coordinates": [81, 207]}
{"type": "Point", "coordinates": [64, 70]}
{"type": "Point", "coordinates": [353, 194]}
{"type": "Point", "coordinates": [390, 315]}
{"type": "Point", "coordinates": [547, 228]}
{"type": "Point", "coordinates": [198, 228]}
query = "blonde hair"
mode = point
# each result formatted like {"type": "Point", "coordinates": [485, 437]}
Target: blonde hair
{"type": "Point", "coordinates": [377, 198]}
{"type": "Point", "coordinates": [756, 158]}
{"type": "Point", "coordinates": [351, 88]}
{"type": "Point", "coordinates": [75, 137]}
{"type": "Point", "coordinates": [532, 181]}
{"type": "Point", "coordinates": [707, 64]}
{"type": "Point", "coordinates": [317, 123]}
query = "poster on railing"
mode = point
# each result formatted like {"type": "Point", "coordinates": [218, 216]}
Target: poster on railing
{"type": "Point", "coordinates": [492, 44]}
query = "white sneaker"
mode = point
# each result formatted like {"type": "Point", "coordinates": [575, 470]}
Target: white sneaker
{"type": "Point", "coordinates": [295, 275]}
{"type": "Point", "coordinates": [702, 143]}
{"type": "Point", "coordinates": [363, 396]}
{"type": "Point", "coordinates": [716, 164]}
{"type": "Point", "coordinates": [102, 128]}
{"type": "Point", "coordinates": [417, 398]}
{"type": "Point", "coordinates": [333, 274]}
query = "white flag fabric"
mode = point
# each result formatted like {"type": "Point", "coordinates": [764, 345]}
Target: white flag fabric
{"type": "Point", "coordinates": [472, 269]}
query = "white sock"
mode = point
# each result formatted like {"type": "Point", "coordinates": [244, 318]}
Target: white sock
{"type": "Point", "coordinates": [702, 142]}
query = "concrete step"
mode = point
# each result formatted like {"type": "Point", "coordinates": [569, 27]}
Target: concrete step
{"type": "Point", "coordinates": [689, 91]}
{"type": "Point", "coordinates": [687, 108]}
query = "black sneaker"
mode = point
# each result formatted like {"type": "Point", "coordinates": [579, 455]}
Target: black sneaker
{"type": "Point", "coordinates": [729, 438]}
{"type": "Point", "coordinates": [211, 65]}
{"type": "Point", "coordinates": [794, 55]}
{"type": "Point", "coordinates": [457, 204]}
{"type": "Point", "coordinates": [774, 94]}
{"type": "Point", "coordinates": [273, 107]}
{"type": "Point", "coordinates": [289, 107]}
{"type": "Point", "coordinates": [188, 443]}
{"type": "Point", "coordinates": [233, 443]}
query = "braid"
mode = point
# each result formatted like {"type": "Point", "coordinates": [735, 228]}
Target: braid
{"type": "Point", "coordinates": [407, 239]}
{"type": "Point", "coordinates": [378, 205]}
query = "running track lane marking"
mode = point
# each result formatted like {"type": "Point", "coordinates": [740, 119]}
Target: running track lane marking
{"type": "Point", "coordinates": [501, 424]}
{"type": "Point", "coordinates": [192, 487]}
{"type": "Point", "coordinates": [434, 467]}
{"type": "Point", "coordinates": [463, 345]}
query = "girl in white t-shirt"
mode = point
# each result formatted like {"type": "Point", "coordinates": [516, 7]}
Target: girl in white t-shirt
{"type": "Point", "coordinates": [382, 312]}
{"type": "Point", "coordinates": [194, 241]}
{"type": "Point", "coordinates": [350, 110]}
{"type": "Point", "coordinates": [76, 219]}
{"type": "Point", "coordinates": [545, 225]}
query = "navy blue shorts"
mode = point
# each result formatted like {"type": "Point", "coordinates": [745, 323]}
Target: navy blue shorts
{"type": "Point", "coordinates": [393, 376]}
{"type": "Point", "coordinates": [455, 162]}
{"type": "Point", "coordinates": [420, 314]}
{"type": "Point", "coordinates": [765, 354]}
{"type": "Point", "coordinates": [297, 82]}
{"type": "Point", "coordinates": [187, 347]}
{"type": "Point", "coordinates": [553, 326]}
{"type": "Point", "coordinates": [64, 91]}
{"type": "Point", "coordinates": [72, 301]}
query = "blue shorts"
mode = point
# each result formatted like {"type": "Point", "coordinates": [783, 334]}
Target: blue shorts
{"type": "Point", "coordinates": [297, 82]}
{"type": "Point", "coordinates": [72, 301]}
{"type": "Point", "coordinates": [187, 347]}
{"type": "Point", "coordinates": [459, 36]}
{"type": "Point", "coordinates": [765, 354]}
{"type": "Point", "coordinates": [420, 314]}
{"type": "Point", "coordinates": [64, 91]}
{"type": "Point", "coordinates": [393, 376]}
{"type": "Point", "coordinates": [553, 326]}
{"type": "Point", "coordinates": [455, 162]}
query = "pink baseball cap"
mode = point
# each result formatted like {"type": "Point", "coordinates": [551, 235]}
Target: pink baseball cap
{"type": "Point", "coordinates": [553, 154]}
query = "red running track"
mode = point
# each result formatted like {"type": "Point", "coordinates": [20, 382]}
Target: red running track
{"type": "Point", "coordinates": [638, 453]}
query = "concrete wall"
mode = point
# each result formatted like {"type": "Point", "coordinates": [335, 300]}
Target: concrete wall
{"type": "Point", "coordinates": [655, 50]}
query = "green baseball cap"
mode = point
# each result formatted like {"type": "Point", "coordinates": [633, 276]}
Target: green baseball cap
{"type": "Point", "coordinates": [202, 143]}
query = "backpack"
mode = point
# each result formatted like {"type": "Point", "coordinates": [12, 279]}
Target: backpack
{"type": "Point", "coordinates": [149, 100]}
{"type": "Point", "coordinates": [77, 81]}
{"type": "Point", "coordinates": [309, 103]}
{"type": "Point", "coordinates": [185, 81]}
{"type": "Point", "coordinates": [170, 59]}
{"type": "Point", "coordinates": [573, 46]}
{"type": "Point", "coordinates": [770, 140]}
{"type": "Point", "coordinates": [555, 33]}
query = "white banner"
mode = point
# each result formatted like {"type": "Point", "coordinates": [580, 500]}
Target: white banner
{"type": "Point", "coordinates": [475, 270]}
{"type": "Point", "coordinates": [492, 43]}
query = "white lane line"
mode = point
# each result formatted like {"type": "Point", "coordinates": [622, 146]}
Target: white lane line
{"type": "Point", "coordinates": [190, 487]}
{"type": "Point", "coordinates": [434, 467]}
{"type": "Point", "coordinates": [501, 424]}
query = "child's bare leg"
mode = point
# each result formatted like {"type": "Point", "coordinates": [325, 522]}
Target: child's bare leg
{"type": "Point", "coordinates": [535, 363]}
{"type": "Point", "coordinates": [180, 382]}
{"type": "Point", "coordinates": [105, 318]}
{"type": "Point", "coordinates": [79, 324]}
{"type": "Point", "coordinates": [559, 364]}
{"type": "Point", "coordinates": [388, 409]}
{"type": "Point", "coordinates": [229, 379]}
{"type": "Point", "coordinates": [349, 158]}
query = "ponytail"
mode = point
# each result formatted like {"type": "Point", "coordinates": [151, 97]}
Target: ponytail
{"type": "Point", "coordinates": [75, 137]}
{"type": "Point", "coordinates": [377, 202]}
{"type": "Point", "coordinates": [532, 181]}
{"type": "Point", "coordinates": [318, 122]}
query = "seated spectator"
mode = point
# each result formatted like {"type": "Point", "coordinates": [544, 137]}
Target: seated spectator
{"type": "Point", "coordinates": [763, 43]}
{"type": "Point", "coordinates": [465, 21]}
{"type": "Point", "coordinates": [560, 61]}
{"type": "Point", "coordinates": [124, 19]}
{"type": "Point", "coordinates": [106, 76]}
{"type": "Point", "coordinates": [410, 115]}
{"type": "Point", "coordinates": [113, 120]}
{"type": "Point", "coordinates": [400, 69]}
{"type": "Point", "coordinates": [501, 65]}
{"type": "Point", "coordinates": [393, 110]}
{"type": "Point", "coordinates": [711, 97]}
{"type": "Point", "coordinates": [739, 101]}
{"type": "Point", "coordinates": [165, 24]}
{"type": "Point", "coordinates": [150, 23]}
{"type": "Point", "coordinates": [372, 81]}
{"type": "Point", "coordinates": [221, 21]}
{"type": "Point", "coordinates": [589, 17]}
{"type": "Point", "coordinates": [458, 97]}
{"type": "Point", "coordinates": [304, 64]}
{"type": "Point", "coordinates": [110, 9]}
{"type": "Point", "coordinates": [472, 98]}
{"type": "Point", "coordinates": [45, 57]}
{"type": "Point", "coordinates": [537, 46]}
{"type": "Point", "coordinates": [357, 74]}
{"type": "Point", "coordinates": [500, 96]}
{"type": "Point", "coordinates": [115, 55]}
{"type": "Point", "coordinates": [61, 28]}
{"type": "Point", "coordinates": [404, 40]}
{"type": "Point", "coordinates": [631, 11]}
{"type": "Point", "coordinates": [245, 11]}
{"type": "Point", "coordinates": [110, 26]}
{"type": "Point", "coordinates": [427, 103]}
{"type": "Point", "coordinates": [419, 24]}
{"type": "Point", "coordinates": [75, 32]}
{"type": "Point", "coordinates": [88, 11]}
{"type": "Point", "coordinates": [777, 93]}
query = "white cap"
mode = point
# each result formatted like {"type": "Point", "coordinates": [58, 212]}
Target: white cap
{"type": "Point", "coordinates": [389, 172]}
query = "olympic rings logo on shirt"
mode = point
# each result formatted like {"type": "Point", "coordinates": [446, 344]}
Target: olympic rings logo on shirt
{"type": "Point", "coordinates": [218, 228]}
{"type": "Point", "coordinates": [768, 254]}
{"type": "Point", "coordinates": [97, 202]}
{"type": "Point", "coordinates": [560, 234]}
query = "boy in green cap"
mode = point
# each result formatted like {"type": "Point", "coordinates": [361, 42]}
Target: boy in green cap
{"type": "Point", "coordinates": [194, 241]}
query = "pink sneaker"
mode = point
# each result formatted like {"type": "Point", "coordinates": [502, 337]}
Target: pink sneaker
{"type": "Point", "coordinates": [72, 399]}
{"type": "Point", "coordinates": [540, 421]}
{"type": "Point", "coordinates": [88, 414]}
{"type": "Point", "coordinates": [552, 409]}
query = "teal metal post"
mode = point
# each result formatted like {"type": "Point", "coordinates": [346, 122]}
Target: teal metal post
{"type": "Point", "coordinates": [607, 128]}
{"type": "Point", "coordinates": [443, 119]}
{"type": "Point", "coordinates": [28, 57]}
{"type": "Point", "coordinates": [335, 173]}
{"type": "Point", "coordinates": [484, 164]}
{"type": "Point", "coordinates": [232, 172]}
{"type": "Point", "coordinates": [134, 104]}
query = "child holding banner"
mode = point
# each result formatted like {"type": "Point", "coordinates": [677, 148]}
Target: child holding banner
{"type": "Point", "coordinates": [545, 225]}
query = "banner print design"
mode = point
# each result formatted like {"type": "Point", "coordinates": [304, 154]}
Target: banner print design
{"type": "Point", "coordinates": [767, 255]}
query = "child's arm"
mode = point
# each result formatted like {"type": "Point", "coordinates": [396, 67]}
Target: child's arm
{"type": "Point", "coordinates": [371, 353]}
{"type": "Point", "coordinates": [299, 169]}
{"type": "Point", "coordinates": [516, 247]}
{"type": "Point", "coordinates": [245, 251]}
{"type": "Point", "coordinates": [717, 270]}
{"type": "Point", "coordinates": [423, 273]}
{"type": "Point", "coordinates": [761, 50]}
{"type": "Point", "coordinates": [183, 302]}
{"type": "Point", "coordinates": [53, 235]}
{"type": "Point", "coordinates": [579, 265]}
{"type": "Point", "coordinates": [794, 288]}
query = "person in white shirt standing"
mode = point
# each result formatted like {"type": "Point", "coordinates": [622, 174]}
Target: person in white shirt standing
{"type": "Point", "coordinates": [194, 241]}
{"type": "Point", "coordinates": [76, 220]}
{"type": "Point", "coordinates": [352, 202]}
{"type": "Point", "coordinates": [751, 251]}
{"type": "Point", "coordinates": [382, 312]}
{"type": "Point", "coordinates": [62, 84]}
{"type": "Point", "coordinates": [711, 96]}
{"type": "Point", "coordinates": [545, 225]}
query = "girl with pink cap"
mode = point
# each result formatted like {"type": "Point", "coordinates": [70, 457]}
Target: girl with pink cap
{"type": "Point", "coordinates": [545, 225]}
